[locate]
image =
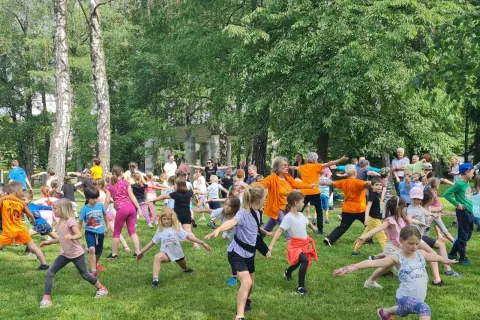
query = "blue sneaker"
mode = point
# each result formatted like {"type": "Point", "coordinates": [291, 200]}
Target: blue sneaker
{"type": "Point", "coordinates": [232, 281]}
{"type": "Point", "coordinates": [354, 253]}
{"type": "Point", "coordinates": [464, 262]}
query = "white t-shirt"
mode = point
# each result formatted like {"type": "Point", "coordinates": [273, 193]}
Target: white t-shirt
{"type": "Point", "coordinates": [213, 190]}
{"type": "Point", "coordinates": [170, 168]}
{"type": "Point", "coordinates": [295, 224]}
{"type": "Point", "coordinates": [200, 185]}
{"type": "Point", "coordinates": [189, 185]}
{"type": "Point", "coordinates": [170, 242]}
{"type": "Point", "coordinates": [218, 214]}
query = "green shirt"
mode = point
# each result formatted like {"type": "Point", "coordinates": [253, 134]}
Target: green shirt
{"type": "Point", "coordinates": [462, 192]}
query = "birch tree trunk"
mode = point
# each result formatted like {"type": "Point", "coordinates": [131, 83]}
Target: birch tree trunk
{"type": "Point", "coordinates": [97, 56]}
{"type": "Point", "coordinates": [61, 129]}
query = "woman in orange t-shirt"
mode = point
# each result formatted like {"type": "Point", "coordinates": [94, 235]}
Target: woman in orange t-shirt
{"type": "Point", "coordinates": [279, 185]}
{"type": "Point", "coordinates": [310, 173]}
{"type": "Point", "coordinates": [354, 205]}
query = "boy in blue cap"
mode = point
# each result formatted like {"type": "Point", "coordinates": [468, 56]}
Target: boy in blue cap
{"type": "Point", "coordinates": [462, 192]}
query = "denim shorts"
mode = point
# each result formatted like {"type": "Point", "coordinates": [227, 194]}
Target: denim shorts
{"type": "Point", "coordinates": [95, 240]}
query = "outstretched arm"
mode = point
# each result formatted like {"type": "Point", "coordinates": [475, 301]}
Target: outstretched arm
{"type": "Point", "coordinates": [277, 235]}
{"type": "Point", "coordinates": [385, 262]}
{"type": "Point", "coordinates": [192, 238]}
{"type": "Point", "coordinates": [145, 249]}
{"type": "Point", "coordinates": [335, 162]}
{"type": "Point", "coordinates": [227, 225]}
{"type": "Point", "coordinates": [38, 174]}
{"type": "Point", "coordinates": [430, 257]}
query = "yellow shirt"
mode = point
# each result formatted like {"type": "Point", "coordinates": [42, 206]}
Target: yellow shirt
{"type": "Point", "coordinates": [97, 172]}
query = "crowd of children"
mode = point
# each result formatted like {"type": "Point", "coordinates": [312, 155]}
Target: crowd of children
{"type": "Point", "coordinates": [400, 223]}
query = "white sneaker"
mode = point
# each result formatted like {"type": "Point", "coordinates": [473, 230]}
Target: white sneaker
{"type": "Point", "coordinates": [150, 225]}
{"type": "Point", "coordinates": [340, 216]}
{"type": "Point", "coordinates": [202, 219]}
{"type": "Point", "coordinates": [371, 284]}
{"type": "Point", "coordinates": [45, 303]}
{"type": "Point", "coordinates": [102, 292]}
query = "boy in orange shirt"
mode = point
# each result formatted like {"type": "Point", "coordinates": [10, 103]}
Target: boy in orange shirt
{"type": "Point", "coordinates": [354, 205]}
{"type": "Point", "coordinates": [14, 231]}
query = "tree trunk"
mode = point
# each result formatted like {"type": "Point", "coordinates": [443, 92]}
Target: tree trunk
{"type": "Point", "coordinates": [61, 129]}
{"type": "Point", "coordinates": [322, 146]}
{"type": "Point", "coordinates": [259, 151]}
{"type": "Point", "coordinates": [46, 123]}
{"type": "Point", "coordinates": [30, 135]}
{"type": "Point", "coordinates": [101, 86]}
{"type": "Point", "coordinates": [467, 128]}
{"type": "Point", "coordinates": [386, 159]}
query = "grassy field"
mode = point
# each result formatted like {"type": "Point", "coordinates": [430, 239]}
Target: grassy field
{"type": "Point", "coordinates": [205, 295]}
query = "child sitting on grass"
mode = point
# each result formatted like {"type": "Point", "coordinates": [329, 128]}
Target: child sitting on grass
{"type": "Point", "coordinates": [412, 273]}
{"type": "Point", "coordinates": [71, 251]}
{"type": "Point", "coordinates": [169, 234]}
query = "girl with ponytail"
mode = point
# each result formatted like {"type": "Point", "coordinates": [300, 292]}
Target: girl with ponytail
{"type": "Point", "coordinates": [301, 248]}
{"type": "Point", "coordinates": [241, 251]}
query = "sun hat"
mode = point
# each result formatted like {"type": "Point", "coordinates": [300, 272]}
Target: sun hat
{"type": "Point", "coordinates": [416, 193]}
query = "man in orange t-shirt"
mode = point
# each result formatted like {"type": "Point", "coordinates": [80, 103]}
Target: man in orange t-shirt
{"type": "Point", "coordinates": [310, 173]}
{"type": "Point", "coordinates": [14, 231]}
{"type": "Point", "coordinates": [354, 205]}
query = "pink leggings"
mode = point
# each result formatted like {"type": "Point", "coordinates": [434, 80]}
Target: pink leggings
{"type": "Point", "coordinates": [151, 207]}
{"type": "Point", "coordinates": [126, 214]}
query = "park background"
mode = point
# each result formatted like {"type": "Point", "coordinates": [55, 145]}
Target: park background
{"type": "Point", "coordinates": [119, 78]}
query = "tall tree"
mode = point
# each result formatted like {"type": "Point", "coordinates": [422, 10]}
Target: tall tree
{"type": "Point", "coordinates": [61, 130]}
{"type": "Point", "coordinates": [101, 85]}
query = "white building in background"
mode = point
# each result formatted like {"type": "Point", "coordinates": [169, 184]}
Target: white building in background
{"type": "Point", "coordinates": [38, 104]}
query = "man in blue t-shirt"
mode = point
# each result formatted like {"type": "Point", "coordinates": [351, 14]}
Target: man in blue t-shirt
{"type": "Point", "coordinates": [18, 174]}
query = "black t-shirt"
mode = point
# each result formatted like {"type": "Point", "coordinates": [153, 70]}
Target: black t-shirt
{"type": "Point", "coordinates": [87, 182]}
{"type": "Point", "coordinates": [226, 183]}
{"type": "Point", "coordinates": [182, 202]}
{"type": "Point", "coordinates": [209, 172]}
{"type": "Point", "coordinates": [139, 192]}
{"type": "Point", "coordinates": [295, 172]}
{"type": "Point", "coordinates": [68, 191]}
{"type": "Point", "coordinates": [375, 208]}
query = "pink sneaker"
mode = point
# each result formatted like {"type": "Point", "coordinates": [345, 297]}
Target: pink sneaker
{"type": "Point", "coordinates": [383, 315]}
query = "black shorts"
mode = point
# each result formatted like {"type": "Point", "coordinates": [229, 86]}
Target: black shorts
{"type": "Point", "coordinates": [184, 218]}
{"type": "Point", "coordinates": [240, 264]}
{"type": "Point", "coordinates": [429, 241]}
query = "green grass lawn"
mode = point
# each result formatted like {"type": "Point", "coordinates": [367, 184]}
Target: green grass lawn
{"type": "Point", "coordinates": [205, 295]}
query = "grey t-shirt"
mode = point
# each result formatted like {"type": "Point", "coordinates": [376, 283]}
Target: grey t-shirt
{"type": "Point", "coordinates": [400, 163]}
{"type": "Point", "coordinates": [417, 214]}
{"type": "Point", "coordinates": [413, 277]}
{"type": "Point", "coordinates": [246, 231]}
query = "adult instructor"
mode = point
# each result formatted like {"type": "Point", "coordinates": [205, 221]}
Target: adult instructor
{"type": "Point", "coordinates": [310, 173]}
{"type": "Point", "coordinates": [279, 185]}
{"type": "Point", "coordinates": [170, 167]}
{"type": "Point", "coordinates": [398, 165]}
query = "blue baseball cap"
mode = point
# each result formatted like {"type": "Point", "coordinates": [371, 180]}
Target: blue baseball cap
{"type": "Point", "coordinates": [465, 167]}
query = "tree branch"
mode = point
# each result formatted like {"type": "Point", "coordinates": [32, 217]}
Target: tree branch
{"type": "Point", "coordinates": [17, 18]}
{"type": "Point", "coordinates": [84, 12]}
{"type": "Point", "coordinates": [100, 4]}
{"type": "Point", "coordinates": [234, 11]}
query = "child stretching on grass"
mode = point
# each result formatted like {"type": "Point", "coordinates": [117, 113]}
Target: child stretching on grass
{"type": "Point", "coordinates": [138, 189]}
{"type": "Point", "coordinates": [41, 225]}
{"type": "Point", "coordinates": [71, 251]}
{"type": "Point", "coordinates": [169, 234]}
{"type": "Point", "coordinates": [110, 210]}
{"type": "Point", "coordinates": [460, 195]}
{"type": "Point", "coordinates": [412, 274]}
{"type": "Point", "coordinates": [94, 215]}
{"type": "Point", "coordinates": [13, 229]}
{"type": "Point", "coordinates": [436, 208]}
{"type": "Point", "coordinates": [373, 215]}
{"type": "Point", "coordinates": [241, 251]}
{"type": "Point", "coordinates": [301, 248]}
